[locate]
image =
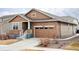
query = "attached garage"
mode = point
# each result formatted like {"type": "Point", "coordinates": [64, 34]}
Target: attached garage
{"type": "Point", "coordinates": [66, 30]}
{"type": "Point", "coordinates": [44, 31]}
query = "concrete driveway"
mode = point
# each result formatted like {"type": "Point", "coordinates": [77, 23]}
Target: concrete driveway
{"type": "Point", "coordinates": [33, 42]}
{"type": "Point", "coordinates": [27, 42]}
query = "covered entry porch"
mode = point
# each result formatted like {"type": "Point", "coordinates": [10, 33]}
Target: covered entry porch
{"type": "Point", "coordinates": [18, 26]}
{"type": "Point", "coordinates": [25, 26]}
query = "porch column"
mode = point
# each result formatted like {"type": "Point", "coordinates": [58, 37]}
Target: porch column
{"type": "Point", "coordinates": [28, 24]}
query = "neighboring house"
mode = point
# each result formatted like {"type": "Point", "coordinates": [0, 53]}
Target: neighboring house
{"type": "Point", "coordinates": [39, 24]}
{"type": "Point", "coordinates": [77, 30]}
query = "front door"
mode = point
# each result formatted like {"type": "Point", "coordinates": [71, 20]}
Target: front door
{"type": "Point", "coordinates": [24, 26]}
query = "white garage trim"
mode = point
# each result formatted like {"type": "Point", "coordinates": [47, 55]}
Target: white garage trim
{"type": "Point", "coordinates": [41, 26]}
{"type": "Point", "coordinates": [44, 26]}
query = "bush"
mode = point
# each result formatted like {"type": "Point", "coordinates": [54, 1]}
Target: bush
{"type": "Point", "coordinates": [3, 37]}
{"type": "Point", "coordinates": [44, 42]}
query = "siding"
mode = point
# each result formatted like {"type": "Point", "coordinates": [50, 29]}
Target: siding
{"type": "Point", "coordinates": [38, 15]}
{"type": "Point", "coordinates": [67, 30]}
{"type": "Point", "coordinates": [74, 29]}
{"type": "Point", "coordinates": [55, 30]}
{"type": "Point", "coordinates": [4, 28]}
{"type": "Point", "coordinates": [20, 26]}
{"type": "Point", "coordinates": [18, 19]}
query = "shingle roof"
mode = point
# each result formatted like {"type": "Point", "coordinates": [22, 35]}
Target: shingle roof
{"type": "Point", "coordinates": [8, 17]}
{"type": "Point", "coordinates": [66, 19]}
{"type": "Point", "coordinates": [20, 16]}
{"type": "Point", "coordinates": [46, 13]}
{"type": "Point", "coordinates": [69, 19]}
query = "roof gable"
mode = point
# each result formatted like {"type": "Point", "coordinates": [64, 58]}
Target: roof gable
{"type": "Point", "coordinates": [36, 14]}
{"type": "Point", "coordinates": [18, 18]}
{"type": "Point", "coordinates": [47, 17]}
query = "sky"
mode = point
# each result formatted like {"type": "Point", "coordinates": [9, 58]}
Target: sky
{"type": "Point", "coordinates": [74, 12]}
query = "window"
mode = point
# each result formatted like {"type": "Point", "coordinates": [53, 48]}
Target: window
{"type": "Point", "coordinates": [46, 28]}
{"type": "Point", "coordinates": [41, 27]}
{"type": "Point", "coordinates": [50, 27]}
{"type": "Point", "coordinates": [15, 25]}
{"type": "Point", "coordinates": [37, 28]}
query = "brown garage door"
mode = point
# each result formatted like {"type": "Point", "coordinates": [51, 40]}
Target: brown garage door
{"type": "Point", "coordinates": [44, 32]}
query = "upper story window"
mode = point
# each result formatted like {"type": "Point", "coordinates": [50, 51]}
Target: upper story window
{"type": "Point", "coordinates": [15, 25]}
{"type": "Point", "coordinates": [33, 14]}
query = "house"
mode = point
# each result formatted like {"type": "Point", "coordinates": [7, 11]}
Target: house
{"type": "Point", "coordinates": [39, 24]}
{"type": "Point", "coordinates": [77, 30]}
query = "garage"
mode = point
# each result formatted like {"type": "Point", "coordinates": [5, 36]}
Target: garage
{"type": "Point", "coordinates": [44, 31]}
